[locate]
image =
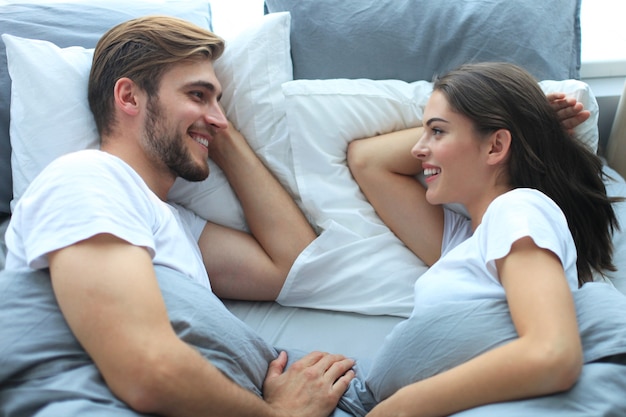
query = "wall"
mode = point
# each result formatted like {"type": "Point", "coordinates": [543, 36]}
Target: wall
{"type": "Point", "coordinates": [608, 91]}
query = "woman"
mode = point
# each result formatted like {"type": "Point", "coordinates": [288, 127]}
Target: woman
{"type": "Point", "coordinates": [541, 225]}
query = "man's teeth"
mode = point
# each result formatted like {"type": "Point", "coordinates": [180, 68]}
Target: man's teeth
{"type": "Point", "coordinates": [201, 141]}
{"type": "Point", "coordinates": [431, 171]}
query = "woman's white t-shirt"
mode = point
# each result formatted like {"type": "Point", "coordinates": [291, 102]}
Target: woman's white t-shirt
{"type": "Point", "coordinates": [90, 192]}
{"type": "Point", "coordinates": [467, 268]}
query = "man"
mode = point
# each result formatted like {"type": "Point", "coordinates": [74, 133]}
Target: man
{"type": "Point", "coordinates": [99, 221]}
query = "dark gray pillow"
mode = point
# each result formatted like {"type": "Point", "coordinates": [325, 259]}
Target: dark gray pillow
{"type": "Point", "coordinates": [413, 40]}
{"type": "Point", "coordinates": [71, 24]}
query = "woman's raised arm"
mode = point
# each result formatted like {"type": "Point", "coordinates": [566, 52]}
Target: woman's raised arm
{"type": "Point", "coordinates": [385, 170]}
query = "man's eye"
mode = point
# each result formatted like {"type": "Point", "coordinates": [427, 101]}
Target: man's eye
{"type": "Point", "coordinates": [197, 94]}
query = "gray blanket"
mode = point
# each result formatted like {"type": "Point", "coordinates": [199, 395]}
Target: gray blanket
{"type": "Point", "coordinates": [443, 336]}
{"type": "Point", "coordinates": [45, 372]}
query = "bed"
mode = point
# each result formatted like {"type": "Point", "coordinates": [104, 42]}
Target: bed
{"type": "Point", "coordinates": [300, 84]}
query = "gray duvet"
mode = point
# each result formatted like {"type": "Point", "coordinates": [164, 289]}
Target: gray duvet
{"type": "Point", "coordinates": [45, 372]}
{"type": "Point", "coordinates": [443, 336]}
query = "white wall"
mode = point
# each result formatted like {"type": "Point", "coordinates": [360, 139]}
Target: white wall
{"type": "Point", "coordinates": [603, 38]}
{"type": "Point", "coordinates": [604, 56]}
{"type": "Point", "coordinates": [231, 16]}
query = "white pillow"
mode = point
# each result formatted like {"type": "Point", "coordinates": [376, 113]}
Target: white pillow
{"type": "Point", "coordinates": [49, 111]}
{"type": "Point", "coordinates": [50, 115]}
{"type": "Point", "coordinates": [357, 264]}
{"type": "Point", "coordinates": [587, 132]}
{"type": "Point", "coordinates": [324, 116]}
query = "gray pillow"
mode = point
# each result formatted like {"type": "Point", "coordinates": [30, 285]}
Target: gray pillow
{"type": "Point", "coordinates": [412, 40]}
{"type": "Point", "coordinates": [70, 24]}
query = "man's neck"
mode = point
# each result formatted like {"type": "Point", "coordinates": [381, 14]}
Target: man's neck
{"type": "Point", "coordinates": [158, 179]}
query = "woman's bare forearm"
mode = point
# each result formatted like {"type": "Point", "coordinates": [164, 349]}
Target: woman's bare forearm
{"type": "Point", "coordinates": [385, 171]}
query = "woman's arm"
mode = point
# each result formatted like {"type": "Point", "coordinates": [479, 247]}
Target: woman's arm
{"type": "Point", "coordinates": [385, 169]}
{"type": "Point", "coordinates": [545, 359]}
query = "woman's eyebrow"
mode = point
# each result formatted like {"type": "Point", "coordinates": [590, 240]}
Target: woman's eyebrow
{"type": "Point", "coordinates": [436, 119]}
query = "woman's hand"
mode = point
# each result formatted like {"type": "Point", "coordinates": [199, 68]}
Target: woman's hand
{"type": "Point", "coordinates": [570, 111]}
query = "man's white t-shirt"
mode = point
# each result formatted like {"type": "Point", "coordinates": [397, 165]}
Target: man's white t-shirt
{"type": "Point", "coordinates": [86, 193]}
{"type": "Point", "coordinates": [467, 268]}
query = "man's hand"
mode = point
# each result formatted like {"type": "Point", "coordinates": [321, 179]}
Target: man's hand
{"type": "Point", "coordinates": [312, 386]}
{"type": "Point", "coordinates": [570, 111]}
{"type": "Point", "coordinates": [252, 266]}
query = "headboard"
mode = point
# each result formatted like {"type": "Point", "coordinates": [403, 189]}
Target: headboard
{"type": "Point", "coordinates": [413, 40]}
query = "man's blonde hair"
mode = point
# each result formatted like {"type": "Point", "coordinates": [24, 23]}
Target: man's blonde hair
{"type": "Point", "coordinates": [143, 49]}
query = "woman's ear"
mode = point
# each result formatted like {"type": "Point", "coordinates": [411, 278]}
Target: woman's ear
{"type": "Point", "coordinates": [125, 94]}
{"type": "Point", "coordinates": [499, 146]}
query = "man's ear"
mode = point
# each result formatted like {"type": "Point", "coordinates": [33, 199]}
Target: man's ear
{"type": "Point", "coordinates": [499, 146]}
{"type": "Point", "coordinates": [125, 94]}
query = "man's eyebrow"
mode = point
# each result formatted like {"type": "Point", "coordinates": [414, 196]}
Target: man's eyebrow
{"type": "Point", "coordinates": [206, 85]}
{"type": "Point", "coordinates": [436, 119]}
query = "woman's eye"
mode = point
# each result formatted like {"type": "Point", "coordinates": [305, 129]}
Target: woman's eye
{"type": "Point", "coordinates": [437, 131]}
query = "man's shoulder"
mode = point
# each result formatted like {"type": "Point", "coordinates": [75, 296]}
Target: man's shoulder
{"type": "Point", "coordinates": [86, 157]}
{"type": "Point", "coordinates": [91, 174]}
{"type": "Point", "coordinates": [86, 165]}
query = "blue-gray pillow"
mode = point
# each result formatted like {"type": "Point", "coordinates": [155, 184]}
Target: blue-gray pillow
{"type": "Point", "coordinates": [72, 24]}
{"type": "Point", "coordinates": [413, 40]}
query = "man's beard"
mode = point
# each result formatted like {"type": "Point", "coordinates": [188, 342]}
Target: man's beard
{"type": "Point", "coordinates": [168, 148]}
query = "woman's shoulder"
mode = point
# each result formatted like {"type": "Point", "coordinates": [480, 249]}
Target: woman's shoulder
{"type": "Point", "coordinates": [522, 200]}
{"type": "Point", "coordinates": [524, 209]}
{"type": "Point", "coordinates": [530, 195]}
{"type": "Point", "coordinates": [527, 213]}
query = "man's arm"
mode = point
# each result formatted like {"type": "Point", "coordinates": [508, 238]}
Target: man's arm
{"type": "Point", "coordinates": [255, 266]}
{"type": "Point", "coordinates": [109, 295]}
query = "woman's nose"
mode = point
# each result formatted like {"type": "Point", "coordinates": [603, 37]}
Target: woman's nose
{"type": "Point", "coordinates": [419, 150]}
